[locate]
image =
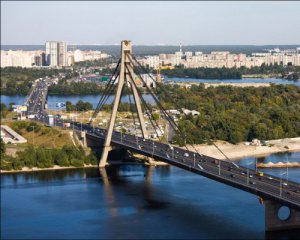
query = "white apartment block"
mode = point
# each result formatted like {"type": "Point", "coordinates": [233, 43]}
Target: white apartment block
{"type": "Point", "coordinates": [17, 58]}
{"type": "Point", "coordinates": [150, 61]}
{"type": "Point", "coordinates": [56, 53]}
{"type": "Point", "coordinates": [54, 56]}
{"type": "Point", "coordinates": [219, 59]}
{"type": "Point", "coordinates": [79, 56]}
{"type": "Point", "coordinates": [148, 81]}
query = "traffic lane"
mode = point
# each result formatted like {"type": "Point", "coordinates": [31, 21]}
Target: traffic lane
{"type": "Point", "coordinates": [237, 171]}
{"type": "Point", "coordinates": [161, 152]}
{"type": "Point", "coordinates": [132, 142]}
{"type": "Point", "coordinates": [209, 169]}
{"type": "Point", "coordinates": [244, 179]}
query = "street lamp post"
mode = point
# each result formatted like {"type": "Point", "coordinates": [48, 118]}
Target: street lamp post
{"type": "Point", "coordinates": [152, 148]}
{"type": "Point", "coordinates": [248, 172]}
{"type": "Point", "coordinates": [287, 169]}
{"type": "Point", "coordinates": [280, 187]}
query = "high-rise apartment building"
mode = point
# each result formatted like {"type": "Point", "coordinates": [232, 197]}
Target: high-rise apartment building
{"type": "Point", "coordinates": [56, 53]}
{"type": "Point", "coordinates": [62, 54]}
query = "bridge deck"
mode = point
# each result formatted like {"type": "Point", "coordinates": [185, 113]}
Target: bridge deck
{"type": "Point", "coordinates": [266, 186]}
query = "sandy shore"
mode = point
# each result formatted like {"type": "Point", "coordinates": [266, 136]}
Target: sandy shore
{"type": "Point", "coordinates": [233, 152]}
{"type": "Point", "coordinates": [241, 150]}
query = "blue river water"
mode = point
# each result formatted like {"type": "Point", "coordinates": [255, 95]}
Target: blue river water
{"type": "Point", "coordinates": [132, 201]}
{"type": "Point", "coordinates": [94, 99]}
{"type": "Point", "coordinates": [52, 100]}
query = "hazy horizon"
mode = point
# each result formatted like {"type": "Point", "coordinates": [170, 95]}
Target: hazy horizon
{"type": "Point", "coordinates": [160, 45]}
{"type": "Point", "coordinates": [150, 23]}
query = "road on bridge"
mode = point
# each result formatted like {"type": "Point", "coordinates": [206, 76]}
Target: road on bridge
{"type": "Point", "coordinates": [263, 185]}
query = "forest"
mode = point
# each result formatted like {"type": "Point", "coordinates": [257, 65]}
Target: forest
{"type": "Point", "coordinates": [75, 88]}
{"type": "Point", "coordinates": [288, 72]}
{"type": "Point", "coordinates": [18, 81]}
{"type": "Point", "coordinates": [79, 106]}
{"type": "Point", "coordinates": [80, 88]}
{"type": "Point", "coordinates": [42, 157]}
{"type": "Point", "coordinates": [235, 114]}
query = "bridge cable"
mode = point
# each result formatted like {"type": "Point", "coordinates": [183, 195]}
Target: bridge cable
{"type": "Point", "coordinates": [151, 118]}
{"type": "Point", "coordinates": [183, 113]}
{"type": "Point", "coordinates": [173, 124]}
{"type": "Point", "coordinates": [167, 116]}
{"type": "Point", "coordinates": [106, 90]}
{"type": "Point", "coordinates": [101, 103]}
{"type": "Point", "coordinates": [110, 82]}
{"type": "Point", "coordinates": [133, 118]}
{"type": "Point", "coordinates": [179, 109]}
{"type": "Point", "coordinates": [108, 86]}
{"type": "Point", "coordinates": [104, 99]}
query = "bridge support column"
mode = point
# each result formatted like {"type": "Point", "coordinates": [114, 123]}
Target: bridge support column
{"type": "Point", "coordinates": [126, 73]}
{"type": "Point", "coordinates": [103, 159]}
{"type": "Point", "coordinates": [274, 223]}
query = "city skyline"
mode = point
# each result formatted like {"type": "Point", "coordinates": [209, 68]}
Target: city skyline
{"type": "Point", "coordinates": [159, 23]}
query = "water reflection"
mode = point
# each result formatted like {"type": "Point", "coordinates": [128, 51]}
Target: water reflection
{"type": "Point", "coordinates": [109, 195]}
{"type": "Point", "coordinates": [128, 201]}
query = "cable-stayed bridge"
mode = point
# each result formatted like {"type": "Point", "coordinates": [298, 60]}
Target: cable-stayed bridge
{"type": "Point", "coordinates": [273, 191]}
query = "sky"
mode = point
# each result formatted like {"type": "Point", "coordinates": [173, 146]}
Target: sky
{"type": "Point", "coordinates": [151, 23]}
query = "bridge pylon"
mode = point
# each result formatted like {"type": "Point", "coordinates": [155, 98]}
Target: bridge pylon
{"type": "Point", "coordinates": [126, 75]}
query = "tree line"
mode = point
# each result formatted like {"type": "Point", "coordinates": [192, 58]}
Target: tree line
{"type": "Point", "coordinates": [79, 106]}
{"type": "Point", "coordinates": [236, 114]}
{"type": "Point", "coordinates": [289, 72]}
{"type": "Point", "coordinates": [42, 157]}
{"type": "Point", "coordinates": [18, 81]}
{"type": "Point", "coordinates": [81, 88]}
{"type": "Point", "coordinates": [203, 73]}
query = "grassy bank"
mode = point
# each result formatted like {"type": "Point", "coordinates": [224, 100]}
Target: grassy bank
{"type": "Point", "coordinates": [39, 135]}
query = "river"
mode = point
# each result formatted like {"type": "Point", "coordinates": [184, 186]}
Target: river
{"type": "Point", "coordinates": [135, 201]}
{"type": "Point", "coordinates": [94, 99]}
{"type": "Point", "coordinates": [52, 100]}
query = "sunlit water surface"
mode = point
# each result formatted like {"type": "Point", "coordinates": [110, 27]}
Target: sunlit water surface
{"type": "Point", "coordinates": [131, 201]}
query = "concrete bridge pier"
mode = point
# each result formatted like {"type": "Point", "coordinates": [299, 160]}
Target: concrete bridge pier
{"type": "Point", "coordinates": [151, 161]}
{"type": "Point", "coordinates": [273, 221]}
{"type": "Point", "coordinates": [103, 159]}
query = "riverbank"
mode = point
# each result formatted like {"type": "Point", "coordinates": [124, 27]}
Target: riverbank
{"type": "Point", "coordinates": [232, 151]}
{"type": "Point", "coordinates": [242, 150]}
{"type": "Point", "coordinates": [218, 84]}
{"type": "Point", "coordinates": [55, 167]}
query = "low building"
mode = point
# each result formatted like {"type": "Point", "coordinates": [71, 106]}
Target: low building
{"type": "Point", "coordinates": [193, 112]}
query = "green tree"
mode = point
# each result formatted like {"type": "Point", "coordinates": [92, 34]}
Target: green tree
{"type": "Point", "coordinates": [2, 147]}
{"type": "Point", "coordinates": [3, 110]}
